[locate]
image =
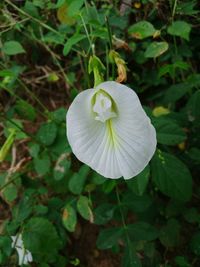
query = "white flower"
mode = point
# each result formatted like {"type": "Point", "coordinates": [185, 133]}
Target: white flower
{"type": "Point", "coordinates": [108, 130]}
{"type": "Point", "coordinates": [24, 255]}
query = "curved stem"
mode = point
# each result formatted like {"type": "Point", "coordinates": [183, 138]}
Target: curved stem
{"type": "Point", "coordinates": [124, 224]}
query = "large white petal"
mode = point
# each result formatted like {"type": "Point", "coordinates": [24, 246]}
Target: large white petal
{"type": "Point", "coordinates": [89, 137]}
{"type": "Point", "coordinates": [119, 147]}
{"type": "Point", "coordinates": [135, 141]}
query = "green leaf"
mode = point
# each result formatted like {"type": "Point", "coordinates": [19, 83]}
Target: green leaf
{"type": "Point", "coordinates": [109, 237]}
{"type": "Point", "coordinates": [10, 192]}
{"type": "Point", "coordinates": [142, 231]}
{"type": "Point", "coordinates": [195, 243]}
{"type": "Point", "coordinates": [16, 125]}
{"type": "Point", "coordinates": [168, 132]}
{"type": "Point", "coordinates": [191, 215]}
{"type": "Point", "coordinates": [47, 133]}
{"type": "Point", "coordinates": [74, 7]}
{"type": "Point", "coordinates": [169, 233]}
{"type": "Point", "coordinates": [187, 8]}
{"type": "Point", "coordinates": [7, 145]}
{"type": "Point", "coordinates": [59, 115]}
{"type": "Point", "coordinates": [41, 238]}
{"type": "Point", "coordinates": [22, 210]}
{"type": "Point", "coordinates": [156, 49]}
{"type": "Point", "coordinates": [34, 149]}
{"type": "Point", "coordinates": [42, 163]}
{"type": "Point", "coordinates": [6, 73]}
{"type": "Point", "coordinates": [13, 48]}
{"type": "Point", "coordinates": [59, 3]}
{"type": "Point", "coordinates": [60, 144]}
{"type": "Point", "coordinates": [77, 181]}
{"type": "Point", "coordinates": [176, 91]}
{"type": "Point", "coordinates": [193, 109]}
{"type": "Point", "coordinates": [69, 218]}
{"type": "Point", "coordinates": [61, 167]}
{"type": "Point", "coordinates": [83, 207]}
{"type": "Point", "coordinates": [136, 203]}
{"type": "Point", "coordinates": [181, 261]}
{"type": "Point", "coordinates": [141, 30]}
{"type": "Point", "coordinates": [104, 213]}
{"type": "Point", "coordinates": [130, 257]}
{"type": "Point", "coordinates": [25, 110]}
{"type": "Point", "coordinates": [5, 245]}
{"type": "Point", "coordinates": [71, 42]}
{"type": "Point", "coordinates": [171, 68]}
{"type": "Point", "coordinates": [194, 154]}
{"type": "Point", "coordinates": [180, 28]}
{"type": "Point", "coordinates": [139, 183]}
{"type": "Point", "coordinates": [171, 176]}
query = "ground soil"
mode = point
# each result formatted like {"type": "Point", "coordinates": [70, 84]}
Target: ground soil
{"type": "Point", "coordinates": [84, 248]}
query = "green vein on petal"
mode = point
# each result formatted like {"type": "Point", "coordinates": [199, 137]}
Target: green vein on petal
{"type": "Point", "coordinates": [111, 133]}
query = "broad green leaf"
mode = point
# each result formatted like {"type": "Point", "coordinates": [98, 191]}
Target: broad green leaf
{"type": "Point", "coordinates": [142, 231]}
{"type": "Point", "coordinates": [171, 176]}
{"type": "Point", "coordinates": [12, 48]}
{"type": "Point", "coordinates": [168, 132]}
{"type": "Point", "coordinates": [104, 213]}
{"type": "Point", "coordinates": [41, 238]}
{"type": "Point", "coordinates": [193, 108]}
{"type": "Point", "coordinates": [63, 15]}
{"type": "Point", "coordinates": [31, 9]}
{"type": "Point", "coordinates": [60, 144]}
{"type": "Point", "coordinates": [77, 181]}
{"type": "Point", "coordinates": [156, 49]}
{"type": "Point", "coordinates": [141, 30]}
{"type": "Point", "coordinates": [139, 183]}
{"type": "Point", "coordinates": [47, 133]}
{"type": "Point", "coordinates": [195, 243]}
{"type": "Point", "coordinates": [25, 110]}
{"type": "Point", "coordinates": [191, 215]}
{"type": "Point", "coordinates": [83, 207]}
{"type": "Point", "coordinates": [23, 209]}
{"type": "Point", "coordinates": [176, 91]}
{"type": "Point", "coordinates": [194, 154]}
{"type": "Point", "coordinates": [187, 8]}
{"type": "Point", "coordinates": [97, 179]}
{"type": "Point", "coordinates": [10, 193]}
{"type": "Point", "coordinates": [40, 210]}
{"type": "Point", "coordinates": [5, 245]}
{"type": "Point", "coordinates": [42, 163]}
{"type": "Point", "coordinates": [181, 261]}
{"type": "Point", "coordinates": [130, 257]}
{"type": "Point", "coordinates": [74, 7]}
{"type": "Point", "coordinates": [136, 203]}
{"type": "Point", "coordinates": [193, 80]}
{"type": "Point", "coordinates": [34, 149]}
{"type": "Point", "coordinates": [59, 3]}
{"type": "Point", "coordinates": [171, 68]}
{"type": "Point", "coordinates": [71, 42]}
{"type": "Point", "coordinates": [59, 115]}
{"type": "Point", "coordinates": [69, 218]}
{"type": "Point", "coordinates": [17, 126]}
{"type": "Point", "coordinates": [109, 237]}
{"type": "Point", "coordinates": [61, 167]}
{"type": "Point", "coordinates": [180, 28]}
{"type": "Point", "coordinates": [169, 233]}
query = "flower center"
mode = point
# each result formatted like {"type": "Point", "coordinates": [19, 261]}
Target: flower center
{"type": "Point", "coordinates": [103, 106]}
